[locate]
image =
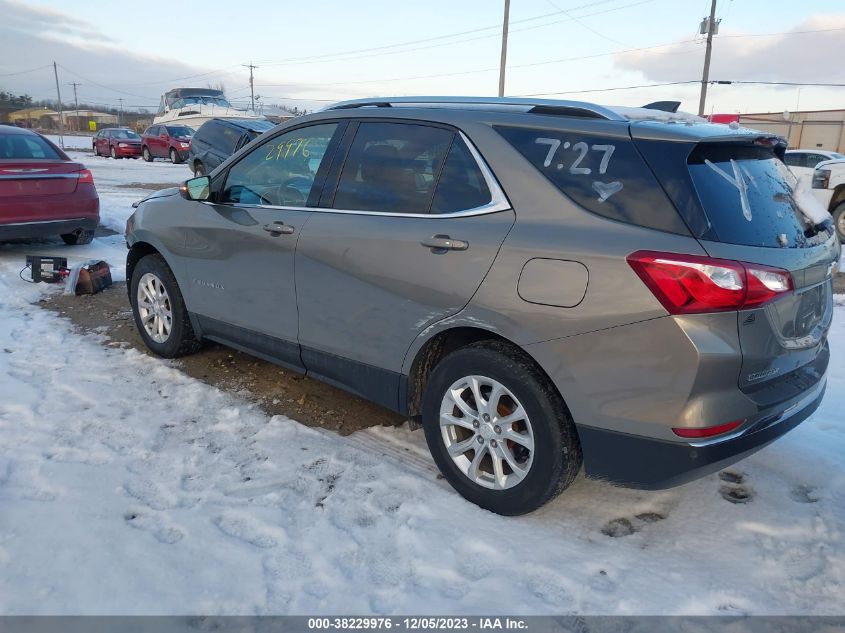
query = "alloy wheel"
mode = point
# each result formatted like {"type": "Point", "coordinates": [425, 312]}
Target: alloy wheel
{"type": "Point", "coordinates": [154, 308]}
{"type": "Point", "coordinates": [487, 432]}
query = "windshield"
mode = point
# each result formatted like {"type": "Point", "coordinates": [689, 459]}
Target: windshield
{"type": "Point", "coordinates": [837, 155]}
{"type": "Point", "coordinates": [180, 130]}
{"type": "Point", "coordinates": [124, 134]}
{"type": "Point", "coordinates": [751, 198]}
{"type": "Point", "coordinates": [211, 101]}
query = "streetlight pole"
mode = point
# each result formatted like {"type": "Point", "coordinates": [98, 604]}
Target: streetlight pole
{"type": "Point", "coordinates": [504, 59]}
{"type": "Point", "coordinates": [251, 66]}
{"type": "Point", "coordinates": [59, 97]}
{"type": "Point", "coordinates": [76, 101]}
{"type": "Point", "coordinates": [711, 29]}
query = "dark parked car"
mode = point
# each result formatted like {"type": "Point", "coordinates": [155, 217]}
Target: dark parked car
{"type": "Point", "coordinates": [218, 139]}
{"type": "Point", "coordinates": [166, 141]}
{"type": "Point", "coordinates": [117, 142]}
{"type": "Point", "coordinates": [541, 282]}
{"type": "Point", "coordinates": [43, 192]}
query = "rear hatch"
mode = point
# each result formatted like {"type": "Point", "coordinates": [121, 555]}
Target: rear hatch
{"type": "Point", "coordinates": [747, 206]}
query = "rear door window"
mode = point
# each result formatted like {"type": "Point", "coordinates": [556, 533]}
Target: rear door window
{"type": "Point", "coordinates": [749, 197]}
{"type": "Point", "coordinates": [392, 168]}
{"type": "Point", "coordinates": [461, 186]}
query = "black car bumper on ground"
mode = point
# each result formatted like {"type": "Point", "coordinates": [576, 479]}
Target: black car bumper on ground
{"type": "Point", "coordinates": [47, 228]}
{"type": "Point", "coordinates": [641, 462]}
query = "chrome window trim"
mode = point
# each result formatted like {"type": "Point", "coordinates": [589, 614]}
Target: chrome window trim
{"type": "Point", "coordinates": [498, 200]}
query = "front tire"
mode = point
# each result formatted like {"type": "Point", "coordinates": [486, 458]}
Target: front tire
{"type": "Point", "coordinates": [199, 169]}
{"type": "Point", "coordinates": [839, 221]}
{"type": "Point", "coordinates": [159, 309]}
{"type": "Point", "coordinates": [174, 157]}
{"type": "Point", "coordinates": [78, 238]}
{"type": "Point", "coordinates": [498, 430]}
{"type": "Point", "coordinates": [145, 154]}
{"type": "Point", "coordinates": [113, 153]}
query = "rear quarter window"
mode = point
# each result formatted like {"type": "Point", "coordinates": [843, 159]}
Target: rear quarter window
{"type": "Point", "coordinates": [603, 174]}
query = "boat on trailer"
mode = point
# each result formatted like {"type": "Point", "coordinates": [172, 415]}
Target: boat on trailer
{"type": "Point", "coordinates": [195, 106]}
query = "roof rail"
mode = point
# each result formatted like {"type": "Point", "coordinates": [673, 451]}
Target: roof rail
{"type": "Point", "coordinates": [538, 106]}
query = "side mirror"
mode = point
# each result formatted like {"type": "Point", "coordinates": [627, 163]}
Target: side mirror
{"type": "Point", "coordinates": [197, 188]}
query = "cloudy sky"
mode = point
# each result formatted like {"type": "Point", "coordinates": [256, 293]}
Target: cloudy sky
{"type": "Point", "coordinates": [310, 53]}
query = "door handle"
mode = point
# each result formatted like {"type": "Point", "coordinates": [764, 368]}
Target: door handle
{"type": "Point", "coordinates": [443, 243]}
{"type": "Point", "coordinates": [279, 228]}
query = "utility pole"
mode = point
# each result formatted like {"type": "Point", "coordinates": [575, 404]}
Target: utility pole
{"type": "Point", "coordinates": [76, 101]}
{"type": "Point", "coordinates": [59, 97]}
{"type": "Point", "coordinates": [251, 66]}
{"type": "Point", "coordinates": [120, 114]}
{"type": "Point", "coordinates": [711, 27]}
{"type": "Point", "coordinates": [504, 59]}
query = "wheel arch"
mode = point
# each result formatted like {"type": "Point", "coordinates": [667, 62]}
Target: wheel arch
{"type": "Point", "coordinates": [837, 198]}
{"type": "Point", "coordinates": [137, 251]}
{"type": "Point", "coordinates": [438, 346]}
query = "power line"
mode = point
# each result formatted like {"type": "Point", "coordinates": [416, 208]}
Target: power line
{"type": "Point", "coordinates": [494, 27]}
{"type": "Point", "coordinates": [585, 25]}
{"type": "Point", "coordinates": [572, 92]}
{"type": "Point", "coordinates": [318, 60]}
{"type": "Point", "coordinates": [492, 69]}
{"type": "Point", "coordinates": [24, 72]}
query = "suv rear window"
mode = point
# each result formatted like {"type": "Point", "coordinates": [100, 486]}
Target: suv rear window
{"type": "Point", "coordinates": [603, 174]}
{"type": "Point", "coordinates": [748, 195]}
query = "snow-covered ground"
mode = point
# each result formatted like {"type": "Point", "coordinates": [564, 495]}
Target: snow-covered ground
{"type": "Point", "coordinates": [112, 178]}
{"type": "Point", "coordinates": [128, 488]}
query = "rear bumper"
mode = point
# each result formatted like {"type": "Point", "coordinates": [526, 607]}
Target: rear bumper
{"type": "Point", "coordinates": [641, 462]}
{"type": "Point", "coordinates": [45, 228]}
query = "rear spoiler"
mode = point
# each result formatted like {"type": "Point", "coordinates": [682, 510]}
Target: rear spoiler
{"type": "Point", "coordinates": [663, 106]}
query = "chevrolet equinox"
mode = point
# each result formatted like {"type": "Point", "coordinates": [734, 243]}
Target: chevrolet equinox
{"type": "Point", "coordinates": [544, 284]}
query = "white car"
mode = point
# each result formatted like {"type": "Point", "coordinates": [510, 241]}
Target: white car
{"type": "Point", "coordinates": [802, 162]}
{"type": "Point", "coordinates": [829, 189]}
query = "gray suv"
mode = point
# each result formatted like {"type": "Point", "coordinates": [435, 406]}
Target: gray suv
{"type": "Point", "coordinates": [544, 284]}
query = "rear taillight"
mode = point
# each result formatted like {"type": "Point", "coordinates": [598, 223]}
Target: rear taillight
{"type": "Point", "coordinates": [690, 284]}
{"type": "Point", "coordinates": [85, 176]}
{"type": "Point", "coordinates": [707, 431]}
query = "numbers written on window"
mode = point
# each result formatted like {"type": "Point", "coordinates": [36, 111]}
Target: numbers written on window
{"type": "Point", "coordinates": [581, 149]}
{"type": "Point", "coordinates": [281, 171]}
{"type": "Point", "coordinates": [290, 148]}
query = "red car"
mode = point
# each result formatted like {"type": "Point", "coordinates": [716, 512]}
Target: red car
{"type": "Point", "coordinates": [166, 141]}
{"type": "Point", "coordinates": [117, 142]}
{"type": "Point", "coordinates": [43, 192]}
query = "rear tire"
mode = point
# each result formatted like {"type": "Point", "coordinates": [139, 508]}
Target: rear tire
{"type": "Point", "coordinates": [78, 238]}
{"type": "Point", "coordinates": [199, 169]}
{"type": "Point", "coordinates": [540, 420]}
{"type": "Point", "coordinates": [176, 336]}
{"type": "Point", "coordinates": [839, 221]}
